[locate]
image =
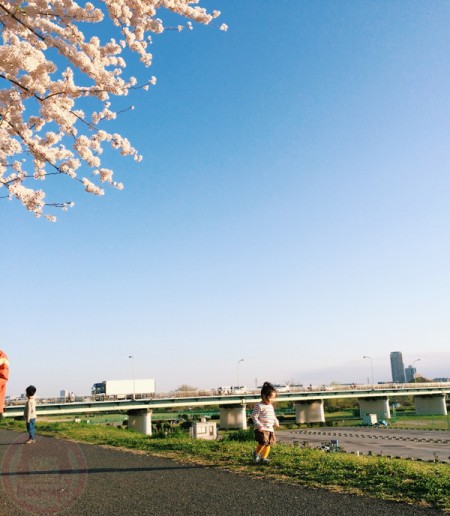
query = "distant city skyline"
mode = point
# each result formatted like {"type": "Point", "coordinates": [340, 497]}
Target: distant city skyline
{"type": "Point", "coordinates": [340, 374]}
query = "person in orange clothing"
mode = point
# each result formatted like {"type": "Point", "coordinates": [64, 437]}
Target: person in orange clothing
{"type": "Point", "coordinates": [4, 374]}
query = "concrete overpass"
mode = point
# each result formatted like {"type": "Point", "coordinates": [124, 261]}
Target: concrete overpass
{"type": "Point", "coordinates": [430, 399]}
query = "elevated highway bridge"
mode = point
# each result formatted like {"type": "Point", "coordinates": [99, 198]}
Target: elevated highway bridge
{"type": "Point", "coordinates": [430, 399]}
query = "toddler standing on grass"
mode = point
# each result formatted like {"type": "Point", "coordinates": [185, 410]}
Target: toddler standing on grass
{"type": "Point", "coordinates": [30, 413]}
{"type": "Point", "coordinates": [264, 420]}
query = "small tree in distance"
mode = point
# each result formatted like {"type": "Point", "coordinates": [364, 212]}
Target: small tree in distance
{"type": "Point", "coordinates": [421, 379]}
{"type": "Point", "coordinates": [186, 388]}
{"type": "Point", "coordinates": [52, 115]}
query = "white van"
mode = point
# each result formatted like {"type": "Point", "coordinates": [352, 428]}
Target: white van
{"type": "Point", "coordinates": [239, 389]}
{"type": "Point", "coordinates": [282, 387]}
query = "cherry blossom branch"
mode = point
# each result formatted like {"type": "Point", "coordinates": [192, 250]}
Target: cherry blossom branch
{"type": "Point", "coordinates": [14, 17]}
{"type": "Point", "coordinates": [29, 33]}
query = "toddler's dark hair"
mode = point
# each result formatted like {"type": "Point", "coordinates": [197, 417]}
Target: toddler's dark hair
{"type": "Point", "coordinates": [30, 390]}
{"type": "Point", "coordinates": [267, 389]}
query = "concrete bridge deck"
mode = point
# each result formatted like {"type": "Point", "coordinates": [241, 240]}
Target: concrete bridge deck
{"type": "Point", "coordinates": [92, 406]}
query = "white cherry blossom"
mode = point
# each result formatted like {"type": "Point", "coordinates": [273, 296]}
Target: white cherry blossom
{"type": "Point", "coordinates": [46, 128]}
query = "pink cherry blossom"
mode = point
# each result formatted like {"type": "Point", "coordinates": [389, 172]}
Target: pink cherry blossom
{"type": "Point", "coordinates": [47, 125]}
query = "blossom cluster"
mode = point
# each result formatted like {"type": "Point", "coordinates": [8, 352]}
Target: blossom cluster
{"type": "Point", "coordinates": [49, 124]}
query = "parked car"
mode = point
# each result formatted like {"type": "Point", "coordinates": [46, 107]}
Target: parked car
{"type": "Point", "coordinates": [282, 387]}
{"type": "Point", "coordinates": [223, 390]}
{"type": "Point", "coordinates": [235, 389]}
{"type": "Point", "coordinates": [239, 389]}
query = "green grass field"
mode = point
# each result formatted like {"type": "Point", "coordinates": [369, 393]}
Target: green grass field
{"type": "Point", "coordinates": [411, 421]}
{"type": "Point", "coordinates": [418, 483]}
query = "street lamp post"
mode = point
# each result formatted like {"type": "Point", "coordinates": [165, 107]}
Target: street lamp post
{"type": "Point", "coordinates": [134, 379]}
{"type": "Point", "coordinates": [371, 367]}
{"type": "Point", "coordinates": [414, 370]}
{"type": "Point", "coordinates": [241, 360]}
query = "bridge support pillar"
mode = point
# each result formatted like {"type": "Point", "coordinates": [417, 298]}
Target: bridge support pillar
{"type": "Point", "coordinates": [378, 406]}
{"type": "Point", "coordinates": [309, 411]}
{"type": "Point", "coordinates": [140, 421]}
{"type": "Point", "coordinates": [233, 416]}
{"type": "Point", "coordinates": [432, 405]}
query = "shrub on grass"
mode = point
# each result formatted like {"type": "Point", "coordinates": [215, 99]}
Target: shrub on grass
{"type": "Point", "coordinates": [172, 432]}
{"type": "Point", "coordinates": [240, 435]}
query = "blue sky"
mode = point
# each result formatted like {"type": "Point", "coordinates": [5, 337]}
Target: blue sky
{"type": "Point", "coordinates": [292, 209]}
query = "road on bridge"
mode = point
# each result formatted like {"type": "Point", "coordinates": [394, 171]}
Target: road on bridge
{"type": "Point", "coordinates": [63, 477]}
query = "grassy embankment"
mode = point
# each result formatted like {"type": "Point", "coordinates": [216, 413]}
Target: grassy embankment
{"type": "Point", "coordinates": [390, 479]}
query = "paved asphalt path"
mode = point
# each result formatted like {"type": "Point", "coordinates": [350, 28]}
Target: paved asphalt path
{"type": "Point", "coordinates": [60, 477]}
